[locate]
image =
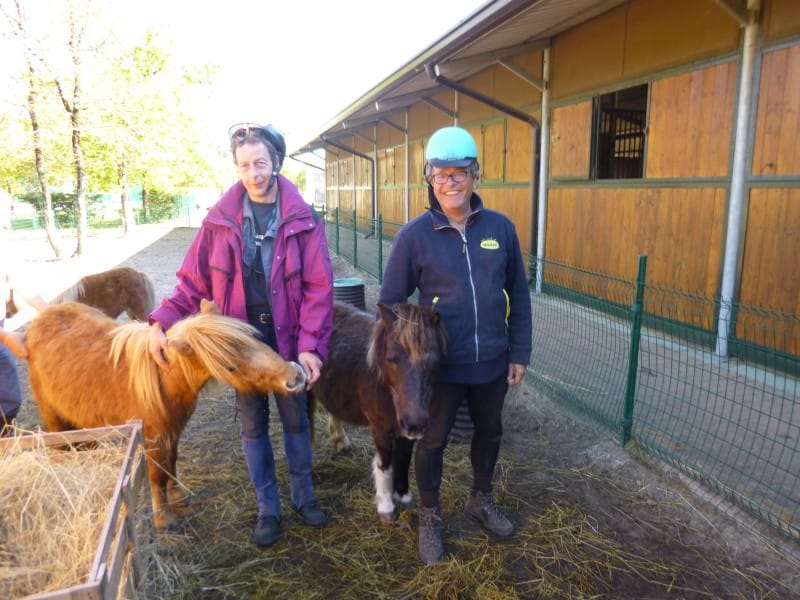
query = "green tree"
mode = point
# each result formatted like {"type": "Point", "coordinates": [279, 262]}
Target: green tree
{"type": "Point", "coordinates": [132, 118]}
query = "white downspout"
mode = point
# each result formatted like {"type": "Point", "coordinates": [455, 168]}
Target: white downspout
{"type": "Point", "coordinates": [407, 161]}
{"type": "Point", "coordinates": [736, 216]}
{"type": "Point", "coordinates": [544, 158]}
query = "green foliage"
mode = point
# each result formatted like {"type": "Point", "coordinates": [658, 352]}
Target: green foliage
{"type": "Point", "coordinates": [140, 117]}
{"type": "Point", "coordinates": [65, 207]}
{"type": "Point", "coordinates": [298, 177]}
{"type": "Point", "coordinates": [159, 206]}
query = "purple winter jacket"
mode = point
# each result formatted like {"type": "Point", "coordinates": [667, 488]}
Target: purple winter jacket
{"type": "Point", "coordinates": [301, 280]}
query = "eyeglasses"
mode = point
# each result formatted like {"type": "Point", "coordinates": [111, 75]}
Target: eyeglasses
{"type": "Point", "coordinates": [240, 131]}
{"type": "Point", "coordinates": [456, 176]}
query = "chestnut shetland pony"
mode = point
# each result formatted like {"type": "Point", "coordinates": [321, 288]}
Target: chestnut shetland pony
{"type": "Point", "coordinates": [115, 291]}
{"type": "Point", "coordinates": [380, 373]}
{"type": "Point", "coordinates": [87, 370]}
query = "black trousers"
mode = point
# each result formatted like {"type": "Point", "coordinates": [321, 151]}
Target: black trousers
{"type": "Point", "coordinates": [485, 403]}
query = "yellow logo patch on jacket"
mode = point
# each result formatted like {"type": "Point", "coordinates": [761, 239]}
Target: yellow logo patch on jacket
{"type": "Point", "coordinates": [490, 244]}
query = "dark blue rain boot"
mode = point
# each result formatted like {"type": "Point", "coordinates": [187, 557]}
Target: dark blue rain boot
{"type": "Point", "coordinates": [298, 459]}
{"type": "Point", "coordinates": [261, 465]}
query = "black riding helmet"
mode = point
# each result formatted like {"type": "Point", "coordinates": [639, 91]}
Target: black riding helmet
{"type": "Point", "coordinates": [241, 131]}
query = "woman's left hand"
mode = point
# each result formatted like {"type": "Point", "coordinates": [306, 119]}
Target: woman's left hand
{"type": "Point", "coordinates": [311, 364]}
{"type": "Point", "coordinates": [516, 373]}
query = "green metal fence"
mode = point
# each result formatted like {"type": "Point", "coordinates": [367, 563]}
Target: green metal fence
{"type": "Point", "coordinates": [641, 361]}
{"type": "Point", "coordinates": [361, 241]}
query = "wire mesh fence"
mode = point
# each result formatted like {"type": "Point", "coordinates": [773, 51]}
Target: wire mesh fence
{"type": "Point", "coordinates": [643, 362]}
{"type": "Point", "coordinates": [731, 421]}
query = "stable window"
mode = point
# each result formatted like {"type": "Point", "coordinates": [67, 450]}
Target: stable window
{"type": "Point", "coordinates": [618, 134]}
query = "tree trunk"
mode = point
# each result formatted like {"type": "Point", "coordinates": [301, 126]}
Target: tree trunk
{"type": "Point", "coordinates": [127, 209]}
{"type": "Point", "coordinates": [41, 171]}
{"type": "Point", "coordinates": [80, 176]}
{"type": "Point", "coordinates": [73, 108]}
{"type": "Point", "coordinates": [38, 152]}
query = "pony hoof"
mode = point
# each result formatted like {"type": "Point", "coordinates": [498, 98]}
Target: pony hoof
{"type": "Point", "coordinates": [406, 501]}
{"type": "Point", "coordinates": [387, 518]}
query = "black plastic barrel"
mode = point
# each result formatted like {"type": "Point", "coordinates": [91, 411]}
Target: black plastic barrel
{"type": "Point", "coordinates": [350, 290]}
{"type": "Point", "coordinates": [463, 427]}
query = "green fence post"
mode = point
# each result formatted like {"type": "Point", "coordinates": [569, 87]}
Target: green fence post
{"type": "Point", "coordinates": [633, 356]}
{"type": "Point", "coordinates": [336, 220]}
{"type": "Point", "coordinates": [379, 237]}
{"type": "Point", "coordinates": [355, 241]}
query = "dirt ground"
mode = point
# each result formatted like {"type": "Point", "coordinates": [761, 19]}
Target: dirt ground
{"type": "Point", "coordinates": [593, 520]}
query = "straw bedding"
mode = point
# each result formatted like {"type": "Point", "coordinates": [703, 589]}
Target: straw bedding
{"type": "Point", "coordinates": [592, 521]}
{"type": "Point", "coordinates": [54, 504]}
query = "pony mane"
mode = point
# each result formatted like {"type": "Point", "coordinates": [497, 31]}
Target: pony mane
{"type": "Point", "coordinates": [214, 339]}
{"type": "Point", "coordinates": [130, 340]}
{"type": "Point", "coordinates": [411, 329]}
{"type": "Point", "coordinates": [73, 293]}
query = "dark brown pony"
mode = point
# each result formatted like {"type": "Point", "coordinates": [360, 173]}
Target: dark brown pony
{"type": "Point", "coordinates": [379, 374]}
{"type": "Point", "coordinates": [87, 370]}
{"type": "Point", "coordinates": [116, 291]}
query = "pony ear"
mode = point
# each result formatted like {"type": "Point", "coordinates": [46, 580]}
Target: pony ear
{"type": "Point", "coordinates": [208, 306]}
{"type": "Point", "coordinates": [181, 346]}
{"type": "Point", "coordinates": [387, 314]}
{"type": "Point", "coordinates": [15, 341]}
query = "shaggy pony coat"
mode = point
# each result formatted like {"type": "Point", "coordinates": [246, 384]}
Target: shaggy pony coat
{"type": "Point", "coordinates": [380, 374]}
{"type": "Point", "coordinates": [87, 370]}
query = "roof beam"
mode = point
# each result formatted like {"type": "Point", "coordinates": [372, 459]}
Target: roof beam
{"type": "Point", "coordinates": [480, 61]}
{"type": "Point", "coordinates": [393, 125]}
{"type": "Point", "coordinates": [440, 107]}
{"type": "Point", "coordinates": [403, 101]}
{"type": "Point", "coordinates": [363, 138]}
{"type": "Point", "coordinates": [735, 9]}
{"type": "Point", "coordinates": [433, 73]}
{"type": "Point", "coordinates": [525, 75]}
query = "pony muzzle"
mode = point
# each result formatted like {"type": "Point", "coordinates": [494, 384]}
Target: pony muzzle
{"type": "Point", "coordinates": [413, 430]}
{"type": "Point", "coordinates": [299, 382]}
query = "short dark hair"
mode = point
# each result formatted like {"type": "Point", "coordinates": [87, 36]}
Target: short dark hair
{"type": "Point", "coordinates": [254, 136]}
{"type": "Point", "coordinates": [474, 168]}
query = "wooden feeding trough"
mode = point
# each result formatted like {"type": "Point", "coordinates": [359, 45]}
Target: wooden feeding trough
{"type": "Point", "coordinates": [117, 567]}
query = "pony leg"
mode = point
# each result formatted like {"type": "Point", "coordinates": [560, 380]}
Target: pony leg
{"type": "Point", "coordinates": [338, 435]}
{"type": "Point", "coordinates": [383, 491]}
{"type": "Point", "coordinates": [157, 465]}
{"type": "Point", "coordinates": [401, 460]}
{"type": "Point", "coordinates": [176, 493]}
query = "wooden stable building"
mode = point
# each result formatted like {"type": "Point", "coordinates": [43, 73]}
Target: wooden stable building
{"type": "Point", "coordinates": [607, 129]}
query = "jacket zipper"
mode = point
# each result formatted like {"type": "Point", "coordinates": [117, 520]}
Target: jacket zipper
{"type": "Point", "coordinates": [464, 251]}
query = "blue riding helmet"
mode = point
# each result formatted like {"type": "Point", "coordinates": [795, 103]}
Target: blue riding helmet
{"type": "Point", "coordinates": [451, 147]}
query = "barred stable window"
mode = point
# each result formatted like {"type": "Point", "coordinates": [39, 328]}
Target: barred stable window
{"type": "Point", "coordinates": [618, 134]}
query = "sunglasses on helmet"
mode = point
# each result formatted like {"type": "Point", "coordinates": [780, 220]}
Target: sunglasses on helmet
{"type": "Point", "coordinates": [241, 130]}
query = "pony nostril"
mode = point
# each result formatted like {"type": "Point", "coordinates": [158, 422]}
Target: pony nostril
{"type": "Point", "coordinates": [300, 378]}
{"type": "Point", "coordinates": [413, 429]}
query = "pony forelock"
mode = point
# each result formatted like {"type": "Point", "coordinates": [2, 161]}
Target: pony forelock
{"type": "Point", "coordinates": [411, 330]}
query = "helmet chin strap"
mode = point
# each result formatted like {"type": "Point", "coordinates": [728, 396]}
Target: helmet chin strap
{"type": "Point", "coordinates": [274, 177]}
{"type": "Point", "coordinates": [272, 180]}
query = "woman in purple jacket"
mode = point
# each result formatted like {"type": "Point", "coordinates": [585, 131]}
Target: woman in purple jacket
{"type": "Point", "coordinates": [261, 256]}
